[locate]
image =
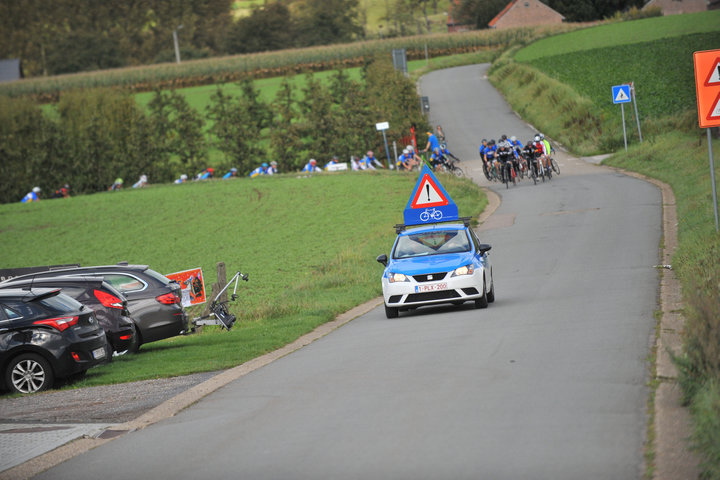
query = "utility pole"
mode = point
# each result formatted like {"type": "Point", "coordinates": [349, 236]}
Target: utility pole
{"type": "Point", "coordinates": [175, 41]}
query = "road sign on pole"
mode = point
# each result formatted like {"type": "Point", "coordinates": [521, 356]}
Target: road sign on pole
{"type": "Point", "coordinates": [621, 95]}
{"type": "Point", "coordinates": [707, 88]}
{"type": "Point", "coordinates": [382, 126]}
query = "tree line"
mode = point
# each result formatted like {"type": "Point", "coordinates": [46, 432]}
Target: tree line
{"type": "Point", "coordinates": [94, 136]}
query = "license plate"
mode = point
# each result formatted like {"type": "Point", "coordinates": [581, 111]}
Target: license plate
{"type": "Point", "coordinates": [431, 288]}
{"type": "Point", "coordinates": [98, 353]}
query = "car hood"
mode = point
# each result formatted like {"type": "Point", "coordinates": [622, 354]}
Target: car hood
{"type": "Point", "coordinates": [430, 263]}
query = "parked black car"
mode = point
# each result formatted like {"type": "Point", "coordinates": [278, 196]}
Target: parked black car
{"type": "Point", "coordinates": [110, 305]}
{"type": "Point", "coordinates": [44, 335]}
{"type": "Point", "coordinates": [154, 301]}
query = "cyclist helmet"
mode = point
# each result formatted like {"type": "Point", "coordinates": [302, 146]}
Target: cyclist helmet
{"type": "Point", "coordinates": [233, 169]}
{"type": "Point", "coordinates": [183, 177]}
{"type": "Point", "coordinates": [491, 142]}
{"type": "Point", "coordinates": [273, 163]}
{"type": "Point", "coordinates": [537, 138]}
{"type": "Point", "coordinates": [542, 137]}
{"type": "Point", "coordinates": [513, 138]}
{"type": "Point", "coordinates": [406, 151]}
{"type": "Point", "coordinates": [264, 165]}
{"type": "Point", "coordinates": [484, 140]}
{"type": "Point", "coordinates": [36, 189]}
{"type": "Point", "coordinates": [503, 138]}
{"type": "Point", "coordinates": [369, 153]}
{"type": "Point", "coordinates": [313, 161]}
{"type": "Point", "coordinates": [436, 150]}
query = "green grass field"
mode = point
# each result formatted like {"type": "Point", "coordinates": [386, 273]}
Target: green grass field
{"type": "Point", "coordinates": [622, 34]}
{"type": "Point", "coordinates": [308, 244]}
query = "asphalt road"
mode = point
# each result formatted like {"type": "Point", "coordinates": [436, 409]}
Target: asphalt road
{"type": "Point", "coordinates": [548, 382]}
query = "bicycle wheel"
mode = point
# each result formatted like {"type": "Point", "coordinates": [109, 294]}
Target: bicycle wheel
{"type": "Point", "coordinates": [487, 172]}
{"type": "Point", "coordinates": [458, 171]}
{"type": "Point", "coordinates": [506, 176]}
{"type": "Point", "coordinates": [555, 166]}
{"type": "Point", "coordinates": [533, 174]}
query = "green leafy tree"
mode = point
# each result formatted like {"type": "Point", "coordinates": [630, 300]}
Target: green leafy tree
{"type": "Point", "coordinates": [31, 150]}
{"type": "Point", "coordinates": [319, 122]}
{"type": "Point", "coordinates": [355, 129]}
{"type": "Point", "coordinates": [321, 22]}
{"type": "Point", "coordinates": [286, 142]}
{"type": "Point", "coordinates": [106, 136]}
{"type": "Point", "coordinates": [392, 97]}
{"type": "Point", "coordinates": [270, 27]}
{"type": "Point", "coordinates": [479, 12]}
{"type": "Point", "coordinates": [178, 130]}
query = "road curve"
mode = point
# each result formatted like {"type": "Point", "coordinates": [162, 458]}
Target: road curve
{"type": "Point", "coordinates": [549, 382]}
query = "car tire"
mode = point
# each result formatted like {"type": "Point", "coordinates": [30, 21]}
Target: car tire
{"type": "Point", "coordinates": [482, 302]}
{"type": "Point", "coordinates": [28, 373]}
{"type": "Point", "coordinates": [491, 293]}
{"type": "Point", "coordinates": [391, 312]}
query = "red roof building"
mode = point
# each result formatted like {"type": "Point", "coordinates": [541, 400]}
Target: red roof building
{"type": "Point", "coordinates": [524, 13]}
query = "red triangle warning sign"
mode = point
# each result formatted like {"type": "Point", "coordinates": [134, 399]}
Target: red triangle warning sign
{"type": "Point", "coordinates": [714, 113]}
{"type": "Point", "coordinates": [713, 78]}
{"type": "Point", "coordinates": [428, 194]}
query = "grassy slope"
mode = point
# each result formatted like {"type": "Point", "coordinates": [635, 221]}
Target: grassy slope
{"type": "Point", "coordinates": [622, 33]}
{"type": "Point", "coordinates": [308, 243]}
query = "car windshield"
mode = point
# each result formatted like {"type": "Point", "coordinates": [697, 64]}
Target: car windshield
{"type": "Point", "coordinates": [431, 243]}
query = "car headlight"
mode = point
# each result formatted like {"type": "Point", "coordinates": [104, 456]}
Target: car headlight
{"type": "Point", "coordinates": [464, 270]}
{"type": "Point", "coordinates": [397, 277]}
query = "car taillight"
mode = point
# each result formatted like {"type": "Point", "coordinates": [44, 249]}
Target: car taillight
{"type": "Point", "coordinates": [60, 323]}
{"type": "Point", "coordinates": [108, 300]}
{"type": "Point", "coordinates": [169, 298]}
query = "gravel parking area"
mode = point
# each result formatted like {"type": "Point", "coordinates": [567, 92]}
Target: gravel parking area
{"type": "Point", "coordinates": [105, 404]}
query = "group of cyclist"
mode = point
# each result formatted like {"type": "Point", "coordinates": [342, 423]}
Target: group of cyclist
{"type": "Point", "coordinates": [509, 157]}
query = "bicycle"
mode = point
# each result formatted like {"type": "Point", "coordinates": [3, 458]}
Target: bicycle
{"type": "Point", "coordinates": [554, 165]}
{"type": "Point", "coordinates": [509, 173]}
{"type": "Point", "coordinates": [433, 213]}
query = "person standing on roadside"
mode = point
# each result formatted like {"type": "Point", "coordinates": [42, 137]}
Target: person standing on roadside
{"type": "Point", "coordinates": [432, 144]}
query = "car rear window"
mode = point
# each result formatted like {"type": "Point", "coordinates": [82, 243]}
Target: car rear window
{"type": "Point", "coordinates": [432, 243]}
{"type": "Point", "coordinates": [60, 304]}
{"type": "Point", "coordinates": [124, 283]}
{"type": "Point", "coordinates": [157, 276]}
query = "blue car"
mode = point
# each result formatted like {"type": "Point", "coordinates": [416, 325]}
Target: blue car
{"type": "Point", "coordinates": [436, 264]}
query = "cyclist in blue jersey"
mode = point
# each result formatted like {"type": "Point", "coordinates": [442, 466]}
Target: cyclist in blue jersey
{"type": "Point", "coordinates": [312, 166]}
{"type": "Point", "coordinates": [432, 144]}
{"type": "Point", "coordinates": [32, 196]}
{"type": "Point", "coordinates": [258, 171]}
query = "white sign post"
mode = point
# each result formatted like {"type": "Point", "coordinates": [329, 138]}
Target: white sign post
{"type": "Point", "coordinates": [382, 126]}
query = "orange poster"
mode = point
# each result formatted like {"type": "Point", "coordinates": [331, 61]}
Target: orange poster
{"type": "Point", "coordinates": [193, 286]}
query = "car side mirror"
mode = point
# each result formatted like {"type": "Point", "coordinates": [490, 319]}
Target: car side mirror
{"type": "Point", "coordinates": [382, 259]}
{"type": "Point", "coordinates": [484, 248]}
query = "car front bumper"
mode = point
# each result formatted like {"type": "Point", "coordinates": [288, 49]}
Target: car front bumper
{"type": "Point", "coordinates": [412, 294]}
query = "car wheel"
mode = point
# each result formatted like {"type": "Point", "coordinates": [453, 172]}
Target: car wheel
{"type": "Point", "coordinates": [28, 373]}
{"type": "Point", "coordinates": [482, 302]}
{"type": "Point", "coordinates": [391, 312]}
{"type": "Point", "coordinates": [136, 342]}
{"type": "Point", "coordinates": [491, 293]}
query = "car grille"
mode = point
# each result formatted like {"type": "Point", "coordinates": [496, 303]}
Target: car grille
{"type": "Point", "coordinates": [427, 296]}
{"type": "Point", "coordinates": [470, 291]}
{"type": "Point", "coordinates": [430, 277]}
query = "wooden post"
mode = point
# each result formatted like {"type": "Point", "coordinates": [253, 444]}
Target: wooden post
{"type": "Point", "coordinates": [221, 280]}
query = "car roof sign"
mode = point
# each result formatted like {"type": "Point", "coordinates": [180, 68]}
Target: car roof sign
{"type": "Point", "coordinates": [429, 202]}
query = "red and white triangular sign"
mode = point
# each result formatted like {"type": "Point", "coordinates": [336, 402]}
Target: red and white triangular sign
{"type": "Point", "coordinates": [713, 78]}
{"type": "Point", "coordinates": [428, 195]}
{"type": "Point", "coordinates": [715, 111]}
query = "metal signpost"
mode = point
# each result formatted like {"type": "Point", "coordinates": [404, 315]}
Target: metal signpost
{"type": "Point", "coordinates": [382, 126]}
{"type": "Point", "coordinates": [707, 88]}
{"type": "Point", "coordinates": [621, 95]}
